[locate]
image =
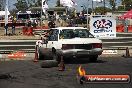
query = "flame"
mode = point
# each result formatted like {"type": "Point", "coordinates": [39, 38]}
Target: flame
{"type": "Point", "coordinates": [81, 71]}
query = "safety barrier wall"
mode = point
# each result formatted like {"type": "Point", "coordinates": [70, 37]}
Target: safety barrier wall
{"type": "Point", "coordinates": [121, 28]}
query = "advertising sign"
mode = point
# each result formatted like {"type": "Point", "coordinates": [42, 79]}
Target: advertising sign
{"type": "Point", "coordinates": [109, 52]}
{"type": "Point", "coordinates": [103, 27]}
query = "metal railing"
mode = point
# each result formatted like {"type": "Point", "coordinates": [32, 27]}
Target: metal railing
{"type": "Point", "coordinates": [121, 42]}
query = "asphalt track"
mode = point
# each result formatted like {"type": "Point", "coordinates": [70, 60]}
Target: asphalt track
{"type": "Point", "coordinates": [27, 74]}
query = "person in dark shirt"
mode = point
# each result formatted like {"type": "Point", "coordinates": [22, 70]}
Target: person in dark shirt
{"type": "Point", "coordinates": [29, 23]}
{"type": "Point", "coordinates": [6, 29]}
{"type": "Point", "coordinates": [13, 28]}
{"type": "Point", "coordinates": [51, 24]}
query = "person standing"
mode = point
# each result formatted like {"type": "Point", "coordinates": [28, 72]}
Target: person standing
{"type": "Point", "coordinates": [13, 29]}
{"type": "Point", "coordinates": [6, 29]}
{"type": "Point", "coordinates": [51, 24]}
{"type": "Point", "coordinates": [29, 23]}
{"type": "Point", "coordinates": [13, 26]}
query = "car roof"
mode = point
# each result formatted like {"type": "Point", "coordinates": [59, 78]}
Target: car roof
{"type": "Point", "coordinates": [60, 28]}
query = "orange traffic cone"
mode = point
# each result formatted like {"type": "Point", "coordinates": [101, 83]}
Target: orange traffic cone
{"type": "Point", "coordinates": [127, 53]}
{"type": "Point", "coordinates": [61, 64]}
{"type": "Point", "coordinates": [36, 55]}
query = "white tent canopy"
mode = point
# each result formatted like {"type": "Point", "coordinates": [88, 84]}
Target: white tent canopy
{"type": "Point", "coordinates": [2, 13]}
{"type": "Point", "coordinates": [27, 12]}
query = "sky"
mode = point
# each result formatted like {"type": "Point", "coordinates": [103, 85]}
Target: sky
{"type": "Point", "coordinates": [80, 3]}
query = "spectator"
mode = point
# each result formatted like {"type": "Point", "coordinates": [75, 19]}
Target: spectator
{"type": "Point", "coordinates": [6, 28]}
{"type": "Point", "coordinates": [13, 28]}
{"type": "Point", "coordinates": [34, 24]}
{"type": "Point", "coordinates": [51, 24]}
{"type": "Point", "coordinates": [29, 23]}
{"type": "Point", "coordinates": [71, 24]}
{"type": "Point", "coordinates": [13, 25]}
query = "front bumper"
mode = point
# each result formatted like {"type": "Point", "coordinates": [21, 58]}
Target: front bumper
{"type": "Point", "coordinates": [81, 52]}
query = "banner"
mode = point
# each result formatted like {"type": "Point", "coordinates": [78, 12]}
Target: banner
{"type": "Point", "coordinates": [109, 52]}
{"type": "Point", "coordinates": [103, 27]}
{"type": "Point", "coordinates": [68, 3]}
{"type": "Point", "coordinates": [44, 5]}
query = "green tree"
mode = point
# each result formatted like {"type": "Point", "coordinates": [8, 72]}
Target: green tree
{"type": "Point", "coordinates": [85, 10]}
{"type": "Point", "coordinates": [31, 3]}
{"type": "Point", "coordinates": [13, 12]}
{"type": "Point", "coordinates": [113, 4]}
{"type": "Point", "coordinates": [120, 8]}
{"type": "Point", "coordinates": [21, 5]}
{"type": "Point", "coordinates": [2, 5]}
{"type": "Point", "coordinates": [58, 4]}
{"type": "Point", "coordinates": [127, 4]}
{"type": "Point", "coordinates": [38, 3]}
{"type": "Point", "coordinates": [101, 10]}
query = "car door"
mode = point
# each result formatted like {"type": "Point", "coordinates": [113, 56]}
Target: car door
{"type": "Point", "coordinates": [53, 38]}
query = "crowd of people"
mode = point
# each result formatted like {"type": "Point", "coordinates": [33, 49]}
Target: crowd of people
{"type": "Point", "coordinates": [52, 22]}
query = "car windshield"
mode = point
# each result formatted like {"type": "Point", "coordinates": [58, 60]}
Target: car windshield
{"type": "Point", "coordinates": [71, 33]}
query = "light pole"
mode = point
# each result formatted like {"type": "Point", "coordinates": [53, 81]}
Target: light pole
{"type": "Point", "coordinates": [41, 20]}
{"type": "Point", "coordinates": [104, 7]}
{"type": "Point", "coordinates": [92, 7]}
{"type": "Point", "coordinates": [6, 12]}
{"type": "Point", "coordinates": [87, 13]}
{"type": "Point", "coordinates": [6, 16]}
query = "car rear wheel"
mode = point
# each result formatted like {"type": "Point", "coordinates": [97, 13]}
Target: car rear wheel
{"type": "Point", "coordinates": [93, 58]}
{"type": "Point", "coordinates": [49, 63]}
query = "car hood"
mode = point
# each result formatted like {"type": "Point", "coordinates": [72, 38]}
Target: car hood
{"type": "Point", "coordinates": [80, 41]}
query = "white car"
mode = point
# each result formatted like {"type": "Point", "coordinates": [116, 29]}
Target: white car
{"type": "Point", "coordinates": [69, 42]}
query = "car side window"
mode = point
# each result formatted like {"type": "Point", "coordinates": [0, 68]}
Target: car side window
{"type": "Point", "coordinates": [53, 36]}
{"type": "Point", "coordinates": [66, 34]}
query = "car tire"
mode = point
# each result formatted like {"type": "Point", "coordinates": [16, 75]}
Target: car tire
{"type": "Point", "coordinates": [93, 58]}
{"type": "Point", "coordinates": [44, 54]}
{"type": "Point", "coordinates": [57, 57]}
{"type": "Point", "coordinates": [49, 63]}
